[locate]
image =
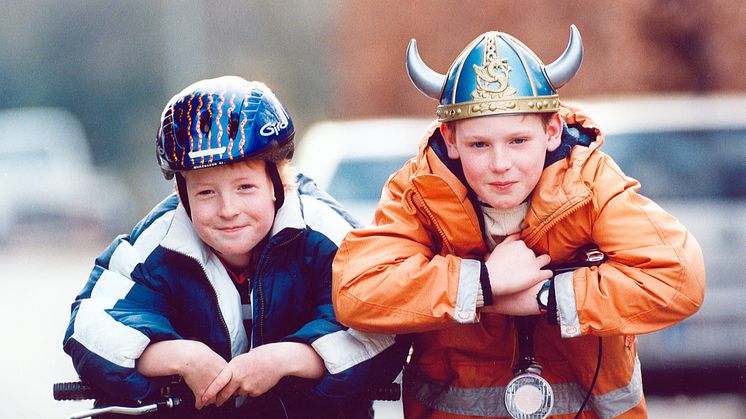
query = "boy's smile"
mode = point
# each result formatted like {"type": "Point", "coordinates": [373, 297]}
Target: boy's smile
{"type": "Point", "coordinates": [502, 156]}
{"type": "Point", "coordinates": [232, 208]}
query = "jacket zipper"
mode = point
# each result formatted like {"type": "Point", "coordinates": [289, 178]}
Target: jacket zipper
{"type": "Point", "coordinates": [534, 238]}
{"type": "Point", "coordinates": [260, 291]}
{"type": "Point", "coordinates": [433, 219]}
{"type": "Point", "coordinates": [217, 304]}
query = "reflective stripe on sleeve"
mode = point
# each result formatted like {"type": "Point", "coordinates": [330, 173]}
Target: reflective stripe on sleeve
{"type": "Point", "coordinates": [567, 311]}
{"type": "Point", "coordinates": [468, 288]}
{"type": "Point", "coordinates": [346, 348]}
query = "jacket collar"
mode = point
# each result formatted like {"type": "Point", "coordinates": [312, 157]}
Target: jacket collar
{"type": "Point", "coordinates": [561, 186]}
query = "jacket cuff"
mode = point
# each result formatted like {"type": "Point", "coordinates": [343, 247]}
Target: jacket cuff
{"type": "Point", "coordinates": [468, 290]}
{"type": "Point", "coordinates": [484, 282]}
{"type": "Point", "coordinates": [346, 348]}
{"type": "Point", "coordinates": [567, 311]}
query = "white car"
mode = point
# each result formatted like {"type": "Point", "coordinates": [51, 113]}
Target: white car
{"type": "Point", "coordinates": [689, 153]}
{"type": "Point", "coordinates": [49, 183]}
{"type": "Point", "coordinates": [353, 159]}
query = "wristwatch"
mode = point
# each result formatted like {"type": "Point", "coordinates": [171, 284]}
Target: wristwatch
{"type": "Point", "coordinates": [542, 297]}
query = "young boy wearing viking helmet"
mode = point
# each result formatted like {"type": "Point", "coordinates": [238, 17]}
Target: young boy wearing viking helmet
{"type": "Point", "coordinates": [510, 183]}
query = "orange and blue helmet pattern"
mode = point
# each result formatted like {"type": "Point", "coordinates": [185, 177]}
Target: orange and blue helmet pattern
{"type": "Point", "coordinates": [221, 121]}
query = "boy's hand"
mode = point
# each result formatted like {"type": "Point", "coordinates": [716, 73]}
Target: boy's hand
{"type": "Point", "coordinates": [513, 268]}
{"type": "Point", "coordinates": [257, 371]}
{"type": "Point", "coordinates": [200, 369]}
{"type": "Point", "coordinates": [193, 360]}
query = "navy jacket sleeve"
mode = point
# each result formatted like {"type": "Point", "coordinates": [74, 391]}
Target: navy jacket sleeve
{"type": "Point", "coordinates": [114, 318]}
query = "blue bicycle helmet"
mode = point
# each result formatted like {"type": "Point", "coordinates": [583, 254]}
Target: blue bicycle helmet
{"type": "Point", "coordinates": [221, 121]}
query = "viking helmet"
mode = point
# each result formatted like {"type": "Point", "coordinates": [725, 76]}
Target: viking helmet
{"type": "Point", "coordinates": [496, 74]}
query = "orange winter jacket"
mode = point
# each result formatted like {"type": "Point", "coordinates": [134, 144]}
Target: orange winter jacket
{"type": "Point", "coordinates": [416, 269]}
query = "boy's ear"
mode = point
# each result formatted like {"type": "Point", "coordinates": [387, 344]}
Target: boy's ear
{"type": "Point", "coordinates": [554, 132]}
{"type": "Point", "coordinates": [449, 137]}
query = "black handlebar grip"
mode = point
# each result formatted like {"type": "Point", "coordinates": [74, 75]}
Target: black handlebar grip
{"type": "Point", "coordinates": [74, 391]}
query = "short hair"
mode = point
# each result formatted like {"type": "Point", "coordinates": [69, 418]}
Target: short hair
{"type": "Point", "coordinates": [545, 117]}
{"type": "Point", "coordinates": [288, 174]}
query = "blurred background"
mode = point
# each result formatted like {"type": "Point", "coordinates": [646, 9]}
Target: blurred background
{"type": "Point", "coordinates": [82, 85]}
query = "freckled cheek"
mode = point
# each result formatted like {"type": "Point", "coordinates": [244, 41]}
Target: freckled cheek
{"type": "Point", "coordinates": [474, 170]}
{"type": "Point", "coordinates": [205, 220]}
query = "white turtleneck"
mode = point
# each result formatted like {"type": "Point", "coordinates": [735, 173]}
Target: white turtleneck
{"type": "Point", "coordinates": [500, 223]}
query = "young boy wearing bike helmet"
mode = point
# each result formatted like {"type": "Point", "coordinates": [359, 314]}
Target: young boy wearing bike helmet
{"type": "Point", "coordinates": [508, 181]}
{"type": "Point", "coordinates": [227, 283]}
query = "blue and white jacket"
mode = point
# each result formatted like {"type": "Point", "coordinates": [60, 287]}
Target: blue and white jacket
{"type": "Point", "coordinates": [162, 282]}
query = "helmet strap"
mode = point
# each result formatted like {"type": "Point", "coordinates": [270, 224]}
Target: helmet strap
{"type": "Point", "coordinates": [182, 189]}
{"type": "Point", "coordinates": [274, 176]}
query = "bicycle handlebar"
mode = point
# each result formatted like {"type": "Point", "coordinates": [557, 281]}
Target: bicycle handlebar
{"type": "Point", "coordinates": [130, 411]}
{"type": "Point", "coordinates": [78, 390]}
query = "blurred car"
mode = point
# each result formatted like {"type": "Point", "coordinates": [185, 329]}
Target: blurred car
{"type": "Point", "coordinates": [688, 152]}
{"type": "Point", "coordinates": [48, 182]}
{"type": "Point", "coordinates": [353, 159]}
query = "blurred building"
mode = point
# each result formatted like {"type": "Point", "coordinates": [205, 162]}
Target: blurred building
{"type": "Point", "coordinates": [631, 47]}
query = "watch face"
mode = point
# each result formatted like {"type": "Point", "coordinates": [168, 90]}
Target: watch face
{"type": "Point", "coordinates": [544, 296]}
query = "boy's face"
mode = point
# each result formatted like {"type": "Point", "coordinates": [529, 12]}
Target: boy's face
{"type": "Point", "coordinates": [503, 155]}
{"type": "Point", "coordinates": [232, 208]}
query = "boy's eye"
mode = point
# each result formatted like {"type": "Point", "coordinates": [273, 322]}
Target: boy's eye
{"type": "Point", "coordinates": [204, 192]}
{"type": "Point", "coordinates": [246, 187]}
{"type": "Point", "coordinates": [479, 144]}
{"type": "Point", "coordinates": [519, 140]}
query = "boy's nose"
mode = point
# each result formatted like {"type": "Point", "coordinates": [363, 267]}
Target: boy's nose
{"type": "Point", "coordinates": [501, 160]}
{"type": "Point", "coordinates": [227, 207]}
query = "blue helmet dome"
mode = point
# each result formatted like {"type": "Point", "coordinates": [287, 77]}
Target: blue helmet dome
{"type": "Point", "coordinates": [220, 121]}
{"type": "Point", "coordinates": [496, 74]}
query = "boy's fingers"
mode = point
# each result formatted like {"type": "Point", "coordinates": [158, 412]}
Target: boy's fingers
{"type": "Point", "coordinates": [226, 393]}
{"type": "Point", "coordinates": [216, 386]}
{"type": "Point", "coordinates": [543, 259]}
{"type": "Point", "coordinates": [511, 238]}
{"type": "Point", "coordinates": [545, 274]}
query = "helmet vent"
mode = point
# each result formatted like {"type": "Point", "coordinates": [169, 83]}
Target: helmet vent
{"type": "Point", "coordinates": [233, 126]}
{"type": "Point", "coordinates": [205, 121]}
